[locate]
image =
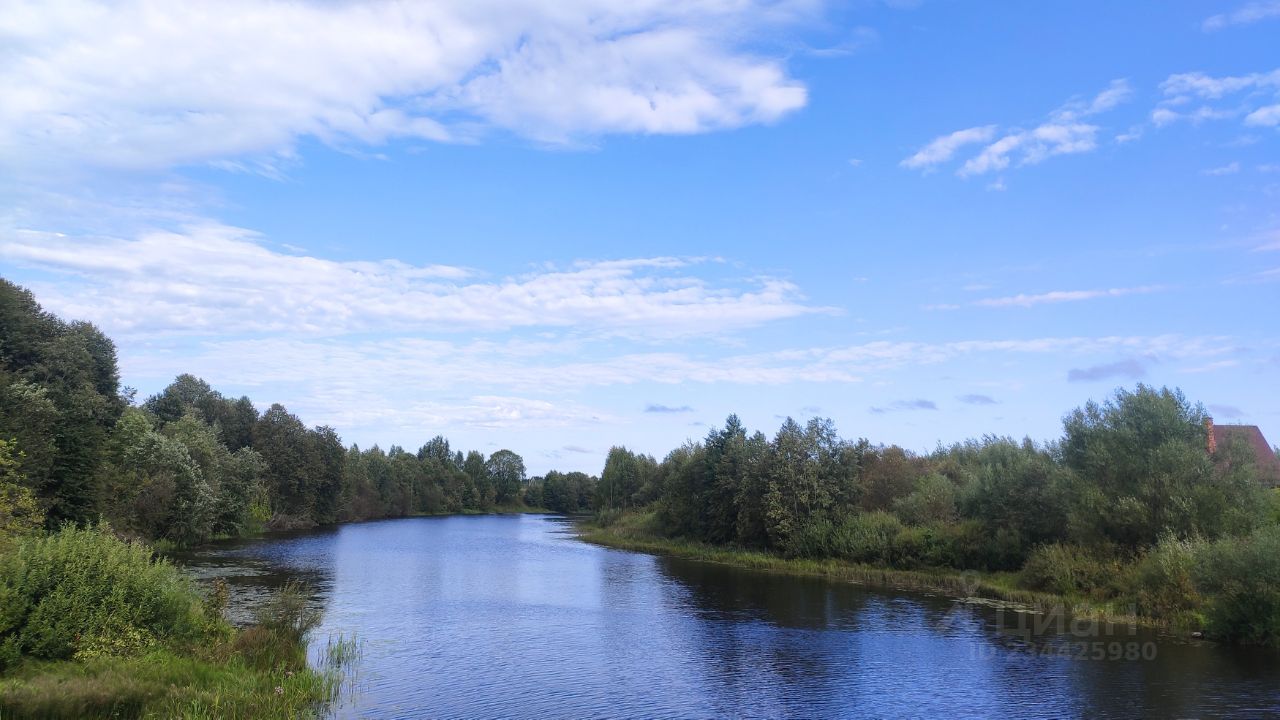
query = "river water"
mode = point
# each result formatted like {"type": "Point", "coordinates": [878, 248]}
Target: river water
{"type": "Point", "coordinates": [512, 617]}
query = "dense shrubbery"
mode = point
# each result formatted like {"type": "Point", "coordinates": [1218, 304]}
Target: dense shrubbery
{"type": "Point", "coordinates": [82, 591]}
{"type": "Point", "coordinates": [1240, 579]}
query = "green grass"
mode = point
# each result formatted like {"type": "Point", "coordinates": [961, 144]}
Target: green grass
{"type": "Point", "coordinates": [169, 684]}
{"type": "Point", "coordinates": [634, 531]}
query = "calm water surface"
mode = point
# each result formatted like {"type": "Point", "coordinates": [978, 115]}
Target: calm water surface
{"type": "Point", "coordinates": [510, 616]}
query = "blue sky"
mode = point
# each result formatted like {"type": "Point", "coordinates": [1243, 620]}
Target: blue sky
{"type": "Point", "coordinates": [558, 227]}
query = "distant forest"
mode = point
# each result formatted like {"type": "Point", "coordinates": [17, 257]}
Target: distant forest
{"type": "Point", "coordinates": [189, 464]}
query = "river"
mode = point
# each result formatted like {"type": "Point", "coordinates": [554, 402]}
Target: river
{"type": "Point", "coordinates": [512, 617]}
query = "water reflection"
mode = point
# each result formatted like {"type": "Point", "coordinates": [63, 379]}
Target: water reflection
{"type": "Point", "coordinates": [512, 617]}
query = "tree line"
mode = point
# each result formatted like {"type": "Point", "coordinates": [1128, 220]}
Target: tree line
{"type": "Point", "coordinates": [1129, 507]}
{"type": "Point", "coordinates": [188, 463]}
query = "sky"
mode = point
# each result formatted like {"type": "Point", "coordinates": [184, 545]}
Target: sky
{"type": "Point", "coordinates": [558, 227]}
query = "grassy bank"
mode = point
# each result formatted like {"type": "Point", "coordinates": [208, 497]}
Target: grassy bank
{"type": "Point", "coordinates": [96, 627]}
{"type": "Point", "coordinates": [183, 683]}
{"type": "Point", "coordinates": [634, 531]}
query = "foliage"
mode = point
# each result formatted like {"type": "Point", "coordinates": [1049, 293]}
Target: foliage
{"type": "Point", "coordinates": [1164, 579]}
{"type": "Point", "coordinates": [1142, 470]}
{"type": "Point", "coordinates": [19, 512]}
{"type": "Point", "coordinates": [933, 501]}
{"type": "Point", "coordinates": [76, 589]}
{"type": "Point", "coordinates": [59, 398]}
{"type": "Point", "coordinates": [1240, 577]}
{"type": "Point", "coordinates": [1070, 570]}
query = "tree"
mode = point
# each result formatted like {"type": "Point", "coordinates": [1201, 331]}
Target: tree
{"type": "Point", "coordinates": [281, 438]}
{"type": "Point", "coordinates": [1142, 469]}
{"type": "Point", "coordinates": [476, 468]}
{"type": "Point", "coordinates": [506, 471]}
{"type": "Point", "coordinates": [1019, 488]}
{"type": "Point", "coordinates": [59, 398]}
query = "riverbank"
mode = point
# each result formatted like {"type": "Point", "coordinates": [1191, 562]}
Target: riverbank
{"type": "Point", "coordinates": [95, 627]}
{"type": "Point", "coordinates": [631, 532]}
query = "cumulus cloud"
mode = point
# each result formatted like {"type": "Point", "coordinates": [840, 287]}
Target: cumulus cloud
{"type": "Point", "coordinates": [1244, 15]}
{"type": "Point", "coordinates": [1130, 369]}
{"type": "Point", "coordinates": [977, 400]}
{"type": "Point", "coordinates": [149, 84]}
{"type": "Point", "coordinates": [215, 278]}
{"type": "Point", "coordinates": [1063, 133]}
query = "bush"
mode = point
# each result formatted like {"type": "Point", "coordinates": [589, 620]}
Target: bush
{"type": "Point", "coordinates": [1241, 579]}
{"type": "Point", "coordinates": [83, 590]}
{"type": "Point", "coordinates": [1070, 570]}
{"type": "Point", "coordinates": [933, 501]}
{"type": "Point", "coordinates": [1164, 585]}
{"type": "Point", "coordinates": [606, 517]}
{"type": "Point", "coordinates": [867, 538]}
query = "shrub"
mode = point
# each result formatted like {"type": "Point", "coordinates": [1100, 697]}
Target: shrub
{"type": "Point", "coordinates": [933, 501]}
{"type": "Point", "coordinates": [1241, 579]}
{"type": "Point", "coordinates": [1164, 585]}
{"type": "Point", "coordinates": [1070, 570]}
{"type": "Point", "coordinates": [85, 590]}
{"type": "Point", "coordinates": [606, 517]}
{"type": "Point", "coordinates": [866, 537]}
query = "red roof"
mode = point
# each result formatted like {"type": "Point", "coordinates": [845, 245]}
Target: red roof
{"type": "Point", "coordinates": [1268, 463]}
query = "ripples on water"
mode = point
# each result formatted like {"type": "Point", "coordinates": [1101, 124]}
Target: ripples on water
{"type": "Point", "coordinates": [509, 616]}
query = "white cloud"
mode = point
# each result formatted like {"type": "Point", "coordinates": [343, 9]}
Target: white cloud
{"type": "Point", "coordinates": [1230, 168]}
{"type": "Point", "coordinates": [412, 366]}
{"type": "Point", "coordinates": [1114, 95]}
{"type": "Point", "coordinates": [219, 279]}
{"type": "Point", "coordinates": [152, 84]}
{"type": "Point", "coordinates": [1133, 133]}
{"type": "Point", "coordinates": [1032, 147]}
{"type": "Point", "coordinates": [1254, 96]}
{"type": "Point", "coordinates": [1244, 15]}
{"type": "Point", "coordinates": [943, 148]}
{"type": "Point", "coordinates": [1268, 116]}
{"type": "Point", "coordinates": [1064, 133]}
{"type": "Point", "coordinates": [1061, 296]}
{"type": "Point", "coordinates": [1207, 87]}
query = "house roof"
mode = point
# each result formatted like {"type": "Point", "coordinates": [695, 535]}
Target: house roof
{"type": "Point", "coordinates": [1268, 463]}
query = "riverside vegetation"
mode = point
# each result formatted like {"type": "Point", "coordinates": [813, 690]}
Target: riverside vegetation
{"type": "Point", "coordinates": [1128, 515]}
{"type": "Point", "coordinates": [1127, 510]}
